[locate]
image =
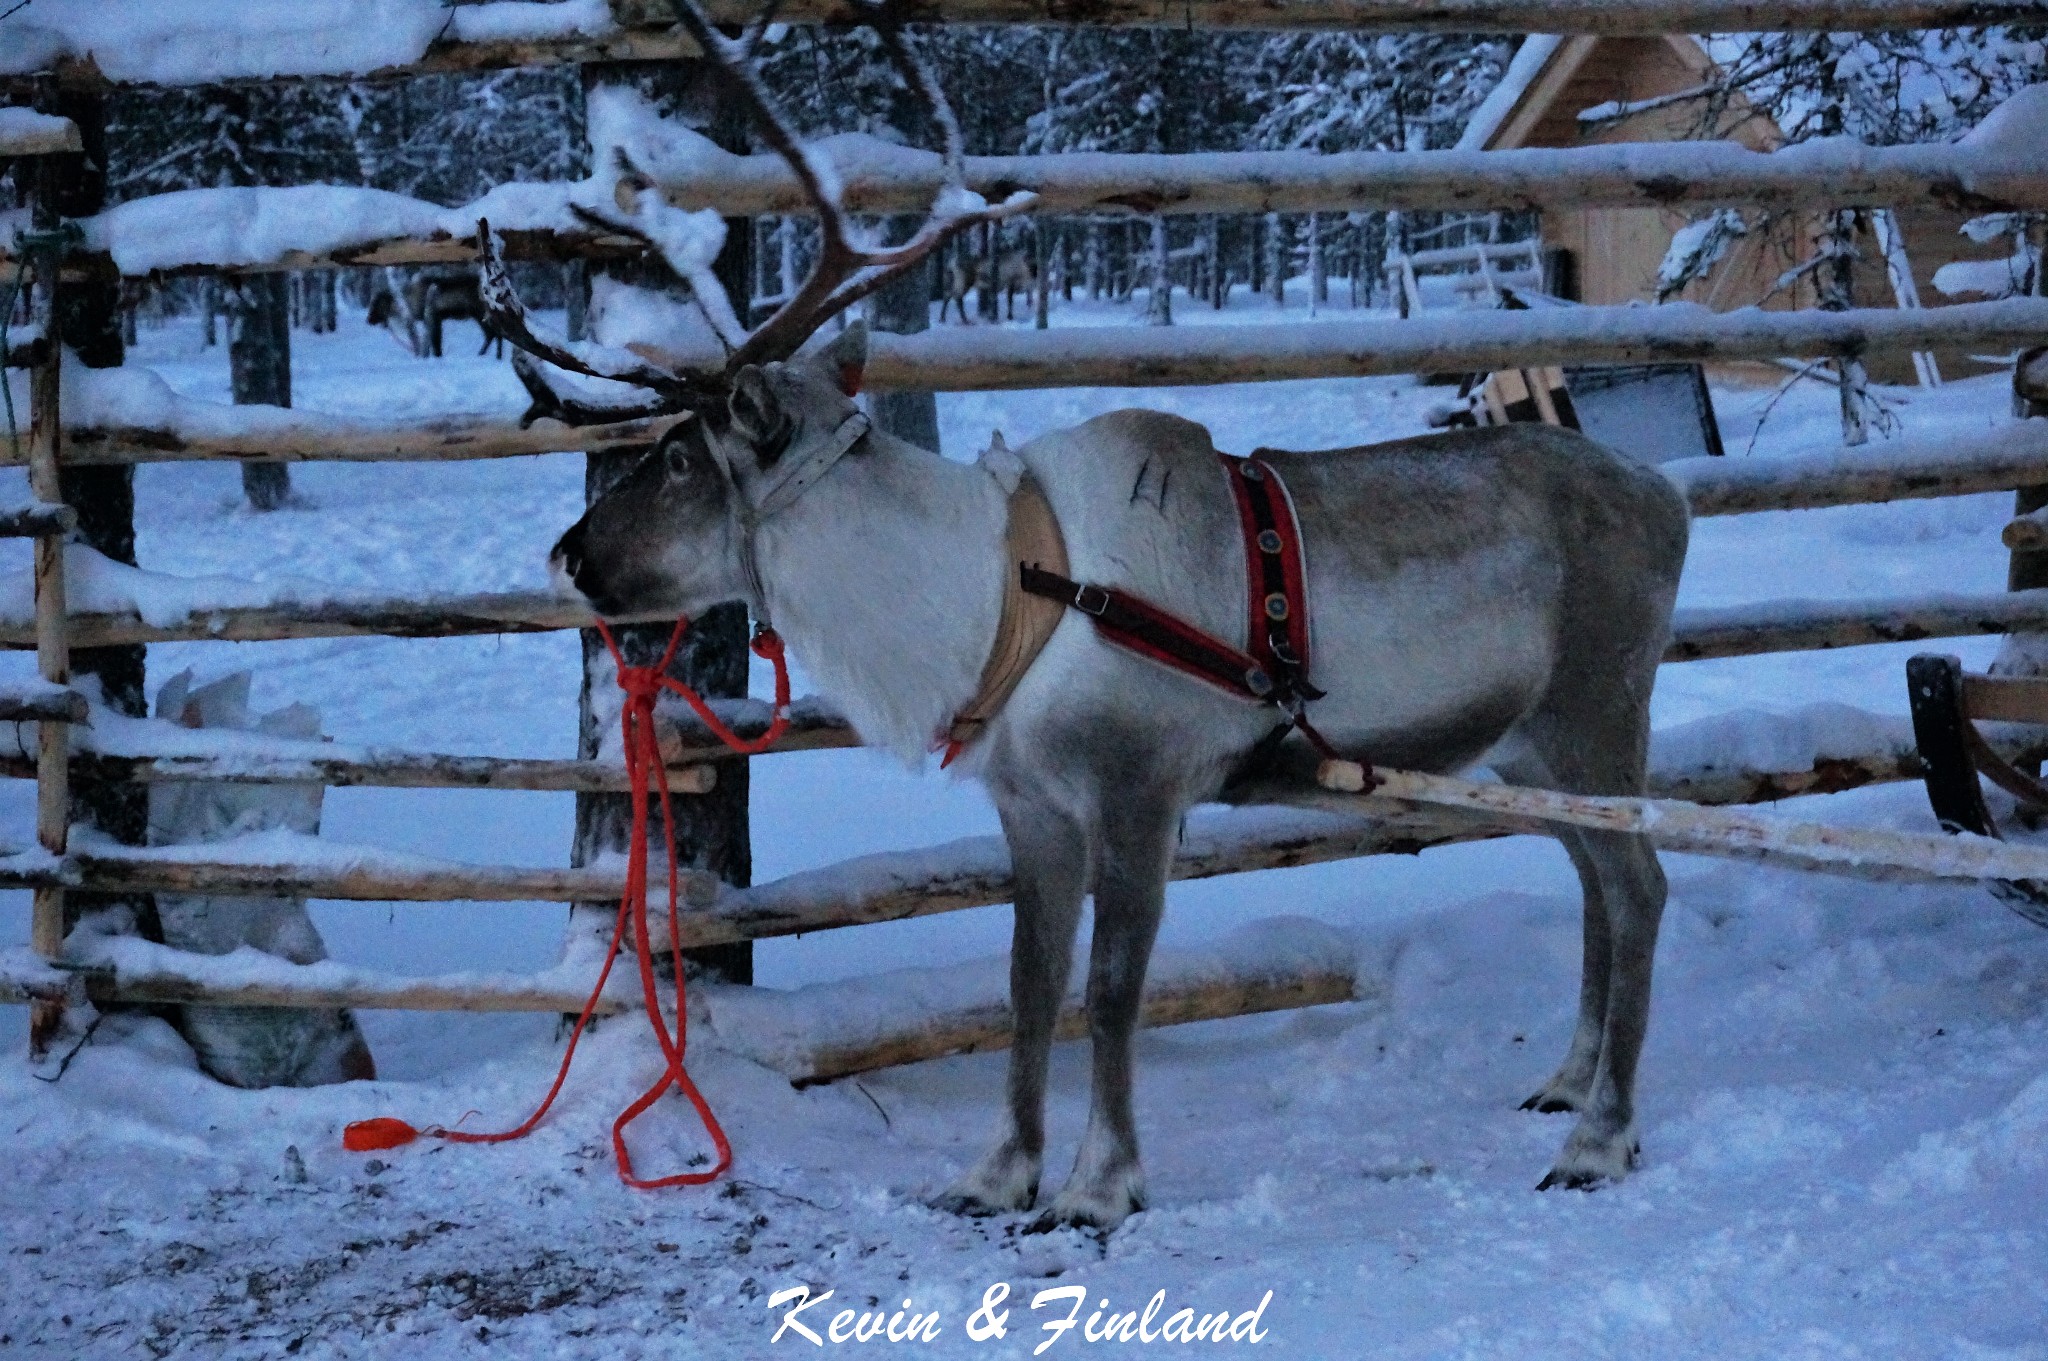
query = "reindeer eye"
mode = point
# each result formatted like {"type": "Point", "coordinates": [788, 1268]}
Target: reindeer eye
{"type": "Point", "coordinates": [679, 447]}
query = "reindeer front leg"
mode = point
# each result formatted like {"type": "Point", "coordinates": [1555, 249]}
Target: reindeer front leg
{"type": "Point", "coordinates": [1138, 832]}
{"type": "Point", "coordinates": [1049, 852]}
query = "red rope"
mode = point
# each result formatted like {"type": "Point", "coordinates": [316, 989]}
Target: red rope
{"type": "Point", "coordinates": [644, 768]}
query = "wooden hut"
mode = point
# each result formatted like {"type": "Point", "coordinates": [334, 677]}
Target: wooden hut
{"type": "Point", "coordinates": [1612, 255]}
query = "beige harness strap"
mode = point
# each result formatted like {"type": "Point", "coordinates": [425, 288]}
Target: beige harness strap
{"type": "Point", "coordinates": [1032, 537]}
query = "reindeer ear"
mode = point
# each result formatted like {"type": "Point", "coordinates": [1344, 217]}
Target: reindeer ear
{"type": "Point", "coordinates": [846, 358]}
{"type": "Point", "coordinates": [757, 415]}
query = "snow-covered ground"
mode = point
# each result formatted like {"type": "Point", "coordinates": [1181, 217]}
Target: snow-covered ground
{"type": "Point", "coordinates": [1844, 1104]}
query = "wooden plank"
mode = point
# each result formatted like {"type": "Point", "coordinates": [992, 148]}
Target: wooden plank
{"type": "Point", "coordinates": [1807, 626]}
{"type": "Point", "coordinates": [41, 704]}
{"type": "Point", "coordinates": [1913, 468]}
{"type": "Point", "coordinates": [1794, 626]}
{"type": "Point", "coordinates": [1856, 852]}
{"type": "Point", "coordinates": [993, 359]}
{"type": "Point", "coordinates": [2008, 699]}
{"type": "Point", "coordinates": [1677, 176]}
{"type": "Point", "coordinates": [985, 1029]}
{"type": "Point", "coordinates": [393, 617]}
{"type": "Point", "coordinates": [431, 441]}
{"type": "Point", "coordinates": [25, 132]}
{"type": "Point", "coordinates": [35, 521]}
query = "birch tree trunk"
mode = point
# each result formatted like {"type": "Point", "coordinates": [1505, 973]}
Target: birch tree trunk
{"type": "Point", "coordinates": [1837, 278]}
{"type": "Point", "coordinates": [1159, 299]}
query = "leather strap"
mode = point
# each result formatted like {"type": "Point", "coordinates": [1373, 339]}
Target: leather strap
{"type": "Point", "coordinates": [1275, 670]}
{"type": "Point", "coordinates": [1032, 541]}
{"type": "Point", "coordinates": [1277, 574]}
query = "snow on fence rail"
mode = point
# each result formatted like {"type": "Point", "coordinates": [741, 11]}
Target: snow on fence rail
{"type": "Point", "coordinates": [128, 419]}
{"type": "Point", "coordinates": [318, 226]}
{"type": "Point", "coordinates": [207, 44]}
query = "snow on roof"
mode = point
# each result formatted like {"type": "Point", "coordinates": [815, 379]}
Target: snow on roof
{"type": "Point", "coordinates": [189, 41]}
{"type": "Point", "coordinates": [1530, 58]}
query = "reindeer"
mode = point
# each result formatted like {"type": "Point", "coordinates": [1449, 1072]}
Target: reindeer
{"type": "Point", "coordinates": [1014, 273]}
{"type": "Point", "coordinates": [1498, 596]}
{"type": "Point", "coordinates": [433, 298]}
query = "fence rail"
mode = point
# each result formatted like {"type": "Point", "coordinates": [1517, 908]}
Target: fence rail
{"type": "Point", "coordinates": [881, 179]}
{"type": "Point", "coordinates": [640, 31]}
{"type": "Point", "coordinates": [966, 874]}
{"type": "Point", "coordinates": [988, 359]}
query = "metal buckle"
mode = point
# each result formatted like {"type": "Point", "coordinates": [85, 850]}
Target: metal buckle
{"type": "Point", "coordinates": [1091, 599]}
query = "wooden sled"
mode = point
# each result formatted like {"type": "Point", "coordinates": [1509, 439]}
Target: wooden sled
{"type": "Point", "coordinates": [1947, 702]}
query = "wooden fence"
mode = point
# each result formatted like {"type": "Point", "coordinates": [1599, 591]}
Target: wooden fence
{"type": "Point", "coordinates": [49, 741]}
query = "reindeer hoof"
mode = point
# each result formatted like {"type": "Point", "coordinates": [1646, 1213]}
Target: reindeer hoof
{"type": "Point", "coordinates": [1547, 1102]}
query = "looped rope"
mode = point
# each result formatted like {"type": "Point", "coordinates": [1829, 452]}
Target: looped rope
{"type": "Point", "coordinates": [642, 685]}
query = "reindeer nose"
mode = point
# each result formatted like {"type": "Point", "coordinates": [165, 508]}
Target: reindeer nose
{"type": "Point", "coordinates": [567, 558]}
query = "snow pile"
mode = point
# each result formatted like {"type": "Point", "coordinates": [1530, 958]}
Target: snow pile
{"type": "Point", "coordinates": [2014, 128]}
{"type": "Point", "coordinates": [178, 42]}
{"type": "Point", "coordinates": [2012, 1141]}
{"type": "Point", "coordinates": [1773, 743]}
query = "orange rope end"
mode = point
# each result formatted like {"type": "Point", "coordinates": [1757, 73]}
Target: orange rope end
{"type": "Point", "coordinates": [367, 1136]}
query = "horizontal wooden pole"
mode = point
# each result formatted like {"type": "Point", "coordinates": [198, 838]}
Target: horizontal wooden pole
{"type": "Point", "coordinates": [394, 617]}
{"type": "Point", "coordinates": [34, 521]}
{"type": "Point", "coordinates": [2027, 532]}
{"type": "Point", "coordinates": [1863, 853]}
{"type": "Point", "coordinates": [983, 1029]}
{"type": "Point", "coordinates": [642, 30]}
{"type": "Point", "coordinates": [25, 132]}
{"type": "Point", "coordinates": [882, 179]}
{"type": "Point", "coordinates": [1913, 468]}
{"type": "Point", "coordinates": [307, 436]}
{"type": "Point", "coordinates": [1623, 175]}
{"type": "Point", "coordinates": [1798, 626]}
{"type": "Point", "coordinates": [1810, 626]}
{"type": "Point", "coordinates": [157, 975]}
{"type": "Point", "coordinates": [40, 704]}
{"type": "Point", "coordinates": [395, 770]}
{"type": "Point", "coordinates": [993, 359]}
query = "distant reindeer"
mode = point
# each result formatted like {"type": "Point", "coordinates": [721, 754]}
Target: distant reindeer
{"type": "Point", "coordinates": [1499, 595]}
{"type": "Point", "coordinates": [1015, 273]}
{"type": "Point", "coordinates": [434, 298]}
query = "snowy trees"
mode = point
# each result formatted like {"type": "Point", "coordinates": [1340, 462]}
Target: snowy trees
{"type": "Point", "coordinates": [1879, 88]}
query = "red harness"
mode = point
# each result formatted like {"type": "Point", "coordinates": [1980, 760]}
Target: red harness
{"type": "Point", "coordinates": [1275, 669]}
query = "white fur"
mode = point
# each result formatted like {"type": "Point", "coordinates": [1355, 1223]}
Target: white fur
{"type": "Point", "coordinates": [893, 621]}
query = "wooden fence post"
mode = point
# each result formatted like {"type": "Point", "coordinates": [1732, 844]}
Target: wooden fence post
{"type": "Point", "coordinates": [711, 829]}
{"type": "Point", "coordinates": [53, 657]}
{"type": "Point", "coordinates": [85, 313]}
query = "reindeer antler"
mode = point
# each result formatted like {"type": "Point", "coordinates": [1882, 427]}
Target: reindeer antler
{"type": "Point", "coordinates": [845, 272]}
